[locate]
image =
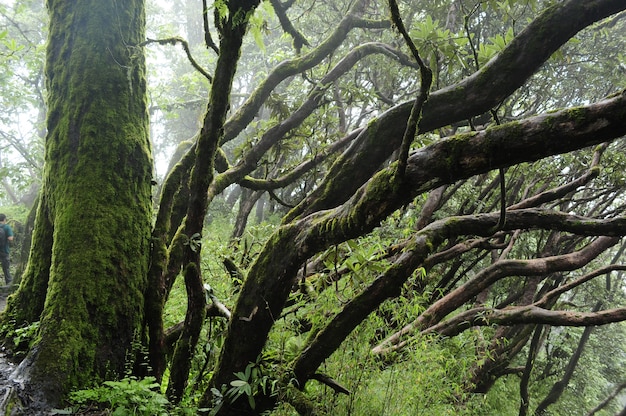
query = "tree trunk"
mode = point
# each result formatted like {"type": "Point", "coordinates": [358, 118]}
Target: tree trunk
{"type": "Point", "coordinates": [559, 387]}
{"type": "Point", "coordinates": [533, 349]}
{"type": "Point", "coordinates": [232, 30]}
{"type": "Point", "coordinates": [248, 199]}
{"type": "Point", "coordinates": [92, 234]}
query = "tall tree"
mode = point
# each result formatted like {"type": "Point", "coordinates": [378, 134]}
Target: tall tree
{"type": "Point", "coordinates": [87, 271]}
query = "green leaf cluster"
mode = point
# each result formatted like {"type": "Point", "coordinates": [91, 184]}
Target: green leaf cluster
{"type": "Point", "coordinates": [129, 396]}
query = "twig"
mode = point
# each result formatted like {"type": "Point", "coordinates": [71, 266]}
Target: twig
{"type": "Point", "coordinates": [173, 41]}
{"type": "Point", "coordinates": [426, 76]}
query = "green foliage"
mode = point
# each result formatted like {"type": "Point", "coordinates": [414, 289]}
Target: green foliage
{"type": "Point", "coordinates": [439, 44]}
{"type": "Point", "coordinates": [247, 384]}
{"type": "Point", "coordinates": [221, 6]}
{"type": "Point", "coordinates": [26, 336]}
{"type": "Point", "coordinates": [126, 397]}
{"type": "Point", "coordinates": [427, 379]}
{"type": "Point", "coordinates": [493, 46]}
{"type": "Point", "coordinates": [259, 25]}
{"type": "Point", "coordinates": [21, 338]}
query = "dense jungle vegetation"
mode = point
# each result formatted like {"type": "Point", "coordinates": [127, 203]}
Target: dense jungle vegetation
{"type": "Point", "coordinates": [312, 207]}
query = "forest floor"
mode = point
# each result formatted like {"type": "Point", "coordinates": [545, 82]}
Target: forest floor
{"type": "Point", "coordinates": [6, 366]}
{"type": "Point", "coordinates": [14, 398]}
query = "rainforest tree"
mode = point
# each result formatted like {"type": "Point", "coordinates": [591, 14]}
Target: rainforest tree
{"type": "Point", "coordinates": [87, 272]}
{"type": "Point", "coordinates": [424, 140]}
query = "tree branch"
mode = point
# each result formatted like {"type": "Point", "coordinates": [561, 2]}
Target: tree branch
{"type": "Point", "coordinates": [279, 131]}
{"type": "Point", "coordinates": [244, 114]}
{"type": "Point", "coordinates": [297, 172]}
{"type": "Point", "coordinates": [298, 38]}
{"type": "Point", "coordinates": [426, 79]}
{"type": "Point", "coordinates": [272, 275]}
{"type": "Point", "coordinates": [499, 78]}
{"type": "Point", "coordinates": [183, 42]}
{"type": "Point", "coordinates": [429, 319]}
{"type": "Point", "coordinates": [333, 384]}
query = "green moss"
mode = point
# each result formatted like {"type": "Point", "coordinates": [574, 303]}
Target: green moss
{"type": "Point", "coordinates": [577, 114]}
{"type": "Point", "coordinates": [595, 170]}
{"type": "Point", "coordinates": [95, 216]}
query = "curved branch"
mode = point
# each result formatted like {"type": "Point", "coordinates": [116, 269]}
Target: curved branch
{"type": "Point", "coordinates": [499, 78]}
{"type": "Point", "coordinates": [298, 38]}
{"type": "Point", "coordinates": [313, 101]}
{"type": "Point", "coordinates": [208, 39]}
{"type": "Point", "coordinates": [467, 319]}
{"type": "Point", "coordinates": [551, 295]}
{"type": "Point", "coordinates": [485, 278]}
{"type": "Point", "coordinates": [173, 41]}
{"type": "Point", "coordinates": [553, 194]}
{"type": "Point", "coordinates": [272, 275]}
{"type": "Point", "coordinates": [531, 314]}
{"type": "Point", "coordinates": [534, 201]}
{"type": "Point", "coordinates": [298, 171]}
{"type": "Point", "coordinates": [468, 154]}
{"type": "Point", "coordinates": [244, 114]}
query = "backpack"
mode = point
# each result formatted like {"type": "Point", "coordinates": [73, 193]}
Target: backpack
{"type": "Point", "coordinates": [3, 239]}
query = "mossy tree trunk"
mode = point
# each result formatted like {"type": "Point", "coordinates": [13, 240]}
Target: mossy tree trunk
{"type": "Point", "coordinates": [88, 265]}
{"type": "Point", "coordinates": [232, 27]}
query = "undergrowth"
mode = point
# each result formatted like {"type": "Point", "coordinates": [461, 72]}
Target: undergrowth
{"type": "Point", "coordinates": [425, 379]}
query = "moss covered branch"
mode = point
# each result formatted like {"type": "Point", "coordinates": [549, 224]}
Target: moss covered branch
{"type": "Point", "coordinates": [272, 275]}
{"type": "Point", "coordinates": [476, 94]}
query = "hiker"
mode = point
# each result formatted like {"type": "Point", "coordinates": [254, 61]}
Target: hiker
{"type": "Point", "coordinates": [6, 236]}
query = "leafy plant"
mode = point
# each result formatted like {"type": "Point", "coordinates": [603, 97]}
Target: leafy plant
{"type": "Point", "coordinates": [248, 383]}
{"type": "Point", "coordinates": [129, 396]}
{"type": "Point", "coordinates": [23, 337]}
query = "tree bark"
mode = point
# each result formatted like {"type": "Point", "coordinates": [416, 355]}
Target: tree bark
{"type": "Point", "coordinates": [473, 96]}
{"type": "Point", "coordinates": [559, 387]}
{"type": "Point", "coordinates": [533, 349]}
{"type": "Point", "coordinates": [272, 275]}
{"type": "Point", "coordinates": [232, 29]}
{"type": "Point", "coordinates": [92, 236]}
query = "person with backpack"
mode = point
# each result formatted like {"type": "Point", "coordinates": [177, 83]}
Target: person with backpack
{"type": "Point", "coordinates": [6, 236]}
